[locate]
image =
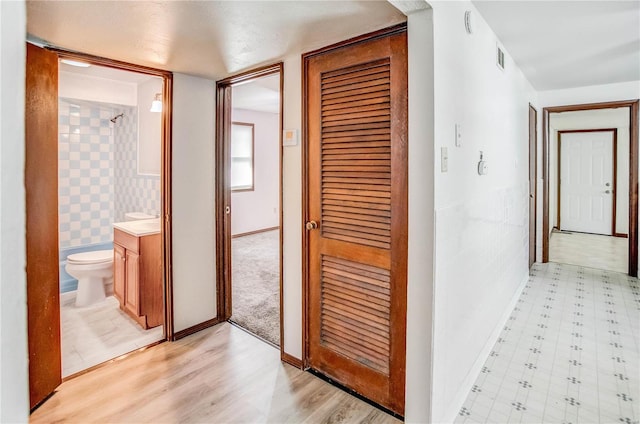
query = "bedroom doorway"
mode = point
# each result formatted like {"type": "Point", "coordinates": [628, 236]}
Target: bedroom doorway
{"type": "Point", "coordinates": [250, 158]}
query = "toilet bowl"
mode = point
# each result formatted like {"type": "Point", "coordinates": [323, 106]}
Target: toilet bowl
{"type": "Point", "coordinates": [93, 270]}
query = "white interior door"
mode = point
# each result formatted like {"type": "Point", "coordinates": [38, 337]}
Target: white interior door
{"type": "Point", "coordinates": [586, 182]}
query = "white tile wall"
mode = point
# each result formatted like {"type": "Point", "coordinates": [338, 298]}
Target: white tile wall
{"type": "Point", "coordinates": [85, 171]}
{"type": "Point", "coordinates": [133, 192]}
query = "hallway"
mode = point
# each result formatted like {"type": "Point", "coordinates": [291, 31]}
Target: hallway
{"type": "Point", "coordinates": [589, 250]}
{"type": "Point", "coordinates": [569, 352]}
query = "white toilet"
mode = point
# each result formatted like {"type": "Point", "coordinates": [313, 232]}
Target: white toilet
{"type": "Point", "coordinates": [94, 271]}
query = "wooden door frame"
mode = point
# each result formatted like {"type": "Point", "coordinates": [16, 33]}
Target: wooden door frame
{"type": "Point", "coordinates": [223, 191]}
{"type": "Point", "coordinates": [165, 183]}
{"type": "Point", "coordinates": [633, 106]}
{"type": "Point", "coordinates": [534, 161]}
{"type": "Point", "coordinates": [614, 168]}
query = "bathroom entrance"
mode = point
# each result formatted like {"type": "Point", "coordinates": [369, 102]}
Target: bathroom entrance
{"type": "Point", "coordinates": [250, 156]}
{"type": "Point", "coordinates": [101, 289]}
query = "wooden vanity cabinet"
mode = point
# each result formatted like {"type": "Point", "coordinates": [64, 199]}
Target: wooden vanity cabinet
{"type": "Point", "coordinates": [137, 277]}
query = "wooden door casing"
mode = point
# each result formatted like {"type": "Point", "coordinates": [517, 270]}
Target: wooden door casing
{"type": "Point", "coordinates": [41, 184]}
{"type": "Point", "coordinates": [356, 155]}
{"type": "Point", "coordinates": [533, 176]}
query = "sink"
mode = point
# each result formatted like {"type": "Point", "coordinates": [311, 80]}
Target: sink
{"type": "Point", "coordinates": [147, 226]}
{"type": "Point", "coordinates": [139, 228]}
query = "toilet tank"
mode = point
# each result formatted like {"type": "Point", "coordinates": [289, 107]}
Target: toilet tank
{"type": "Point", "coordinates": [136, 216]}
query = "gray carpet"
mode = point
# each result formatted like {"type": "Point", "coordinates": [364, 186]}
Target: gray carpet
{"type": "Point", "coordinates": [255, 282]}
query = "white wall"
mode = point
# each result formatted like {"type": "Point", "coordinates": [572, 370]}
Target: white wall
{"type": "Point", "coordinates": [421, 218]}
{"type": "Point", "coordinates": [86, 87]}
{"type": "Point", "coordinates": [292, 211]}
{"type": "Point", "coordinates": [194, 256]}
{"type": "Point", "coordinates": [259, 209]}
{"type": "Point", "coordinates": [149, 128]}
{"type": "Point", "coordinates": [14, 381]}
{"type": "Point", "coordinates": [481, 222]}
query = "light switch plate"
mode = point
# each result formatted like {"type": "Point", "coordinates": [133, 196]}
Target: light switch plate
{"type": "Point", "coordinates": [444, 159]}
{"type": "Point", "coordinates": [458, 135]}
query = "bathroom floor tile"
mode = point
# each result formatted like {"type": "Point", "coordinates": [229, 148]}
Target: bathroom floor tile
{"type": "Point", "coordinates": [98, 333]}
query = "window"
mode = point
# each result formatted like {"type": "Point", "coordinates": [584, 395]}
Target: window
{"type": "Point", "coordinates": [242, 156]}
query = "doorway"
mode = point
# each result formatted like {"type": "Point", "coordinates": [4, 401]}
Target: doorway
{"type": "Point", "coordinates": [590, 202]}
{"type": "Point", "coordinates": [42, 205]}
{"type": "Point", "coordinates": [249, 198]}
{"type": "Point", "coordinates": [109, 169]}
{"type": "Point", "coordinates": [355, 208]}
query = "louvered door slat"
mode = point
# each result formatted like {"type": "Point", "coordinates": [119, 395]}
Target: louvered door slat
{"type": "Point", "coordinates": [371, 318]}
{"type": "Point", "coordinates": [375, 163]}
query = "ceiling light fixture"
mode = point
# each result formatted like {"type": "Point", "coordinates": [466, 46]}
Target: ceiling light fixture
{"type": "Point", "coordinates": [75, 63]}
{"type": "Point", "coordinates": [156, 105]}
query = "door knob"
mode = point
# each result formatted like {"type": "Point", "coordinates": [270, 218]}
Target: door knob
{"type": "Point", "coordinates": [607, 191]}
{"type": "Point", "coordinates": [311, 225]}
{"type": "Point", "coordinates": [607, 184]}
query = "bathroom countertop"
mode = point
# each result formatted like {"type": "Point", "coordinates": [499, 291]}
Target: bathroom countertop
{"type": "Point", "coordinates": [143, 227]}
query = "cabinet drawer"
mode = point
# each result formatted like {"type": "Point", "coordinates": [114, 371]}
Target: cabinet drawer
{"type": "Point", "coordinates": [125, 240]}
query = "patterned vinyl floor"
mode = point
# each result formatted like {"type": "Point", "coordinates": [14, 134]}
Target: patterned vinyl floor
{"type": "Point", "coordinates": [569, 352]}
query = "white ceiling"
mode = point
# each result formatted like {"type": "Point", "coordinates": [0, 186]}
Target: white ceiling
{"type": "Point", "coordinates": [207, 38]}
{"type": "Point", "coordinates": [262, 95]}
{"type": "Point", "coordinates": [557, 44]}
{"type": "Point", "coordinates": [563, 44]}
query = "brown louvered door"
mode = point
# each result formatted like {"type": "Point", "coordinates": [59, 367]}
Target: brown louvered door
{"type": "Point", "coordinates": [357, 194]}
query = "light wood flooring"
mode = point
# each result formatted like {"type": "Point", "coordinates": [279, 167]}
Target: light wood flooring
{"type": "Point", "coordinates": [219, 375]}
{"type": "Point", "coordinates": [590, 250]}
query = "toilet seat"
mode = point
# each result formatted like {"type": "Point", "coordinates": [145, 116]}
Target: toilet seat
{"type": "Point", "coordinates": [88, 258]}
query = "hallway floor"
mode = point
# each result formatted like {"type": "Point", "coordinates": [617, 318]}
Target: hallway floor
{"type": "Point", "coordinates": [591, 250]}
{"type": "Point", "coordinates": [569, 352]}
{"type": "Point", "coordinates": [219, 375]}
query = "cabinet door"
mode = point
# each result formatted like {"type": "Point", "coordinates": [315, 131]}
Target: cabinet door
{"type": "Point", "coordinates": [119, 273]}
{"type": "Point", "coordinates": [132, 301]}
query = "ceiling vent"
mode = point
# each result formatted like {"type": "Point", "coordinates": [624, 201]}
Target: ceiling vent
{"type": "Point", "coordinates": [499, 57]}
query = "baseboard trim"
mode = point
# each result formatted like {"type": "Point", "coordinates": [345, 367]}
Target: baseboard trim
{"type": "Point", "coordinates": [484, 354]}
{"type": "Point", "coordinates": [194, 329]}
{"type": "Point", "coordinates": [621, 235]}
{"type": "Point", "coordinates": [291, 360]}
{"type": "Point", "coordinates": [250, 233]}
